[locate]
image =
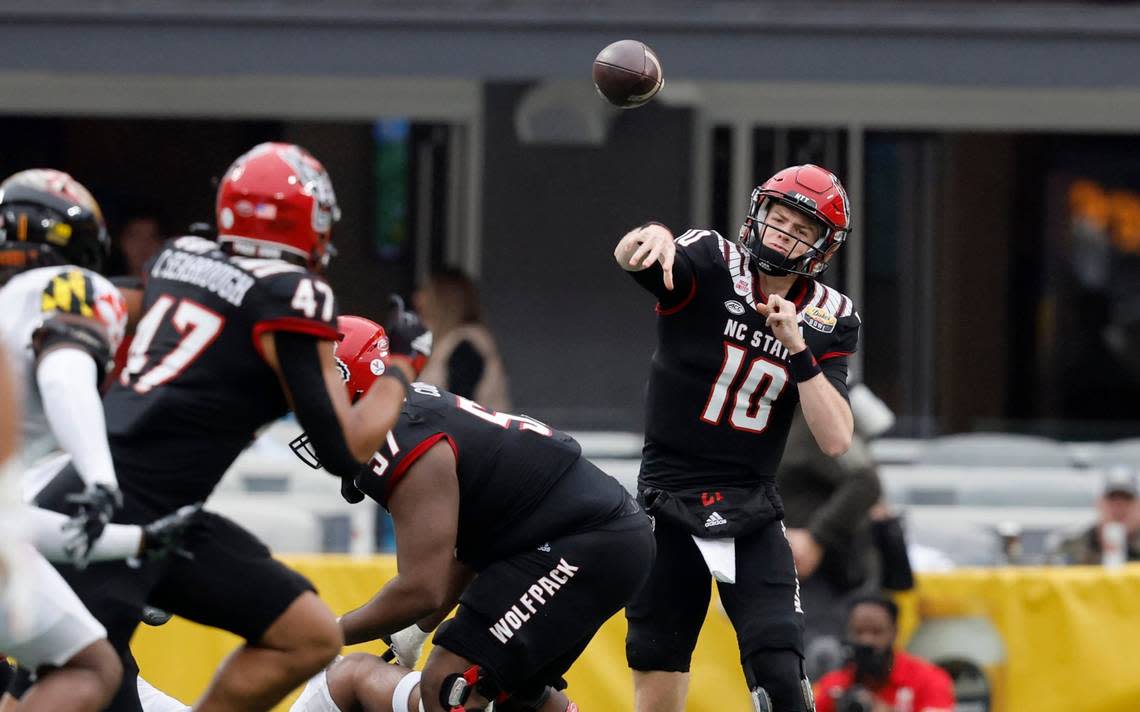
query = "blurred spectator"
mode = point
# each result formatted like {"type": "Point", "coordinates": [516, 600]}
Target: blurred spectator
{"type": "Point", "coordinates": [827, 502]}
{"type": "Point", "coordinates": [464, 357]}
{"type": "Point", "coordinates": [887, 533]}
{"type": "Point", "coordinates": [140, 236]}
{"type": "Point", "coordinates": [878, 678]}
{"type": "Point", "coordinates": [1116, 533]}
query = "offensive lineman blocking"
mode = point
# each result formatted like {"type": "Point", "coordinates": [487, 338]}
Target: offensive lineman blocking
{"type": "Point", "coordinates": [503, 515]}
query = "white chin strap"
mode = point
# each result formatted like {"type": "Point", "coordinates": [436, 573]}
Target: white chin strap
{"type": "Point", "coordinates": [403, 692]}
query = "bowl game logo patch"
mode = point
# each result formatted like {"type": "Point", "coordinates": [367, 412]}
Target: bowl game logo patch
{"type": "Point", "coordinates": [819, 319]}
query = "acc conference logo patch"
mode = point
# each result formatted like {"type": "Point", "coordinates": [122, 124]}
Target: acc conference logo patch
{"type": "Point", "coordinates": [819, 319]}
{"type": "Point", "coordinates": [69, 292]}
{"type": "Point", "coordinates": [734, 307]}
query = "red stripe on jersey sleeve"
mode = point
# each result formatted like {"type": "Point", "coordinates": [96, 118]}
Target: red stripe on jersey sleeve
{"type": "Point", "coordinates": [410, 459]}
{"type": "Point", "coordinates": [684, 302]}
{"type": "Point", "coordinates": [293, 324]}
{"type": "Point", "coordinates": [833, 354]}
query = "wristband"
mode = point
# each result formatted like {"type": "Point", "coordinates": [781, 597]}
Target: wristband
{"type": "Point", "coordinates": [803, 366]}
{"type": "Point", "coordinates": [393, 371]}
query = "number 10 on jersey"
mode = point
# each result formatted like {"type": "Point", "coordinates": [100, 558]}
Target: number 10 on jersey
{"type": "Point", "coordinates": [751, 405]}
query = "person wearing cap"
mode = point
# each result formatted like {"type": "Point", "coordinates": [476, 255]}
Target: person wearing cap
{"type": "Point", "coordinates": [1118, 509]}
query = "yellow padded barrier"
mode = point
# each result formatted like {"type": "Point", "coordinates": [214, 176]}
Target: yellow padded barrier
{"type": "Point", "coordinates": [1072, 638]}
{"type": "Point", "coordinates": [180, 657]}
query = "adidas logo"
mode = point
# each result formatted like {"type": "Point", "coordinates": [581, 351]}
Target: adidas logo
{"type": "Point", "coordinates": [545, 547]}
{"type": "Point", "coordinates": [715, 520]}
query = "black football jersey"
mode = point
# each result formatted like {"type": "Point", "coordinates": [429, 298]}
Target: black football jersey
{"type": "Point", "coordinates": [195, 387]}
{"type": "Point", "coordinates": [721, 396]}
{"type": "Point", "coordinates": [521, 483]}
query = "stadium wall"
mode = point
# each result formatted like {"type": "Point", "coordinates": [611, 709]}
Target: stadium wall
{"type": "Point", "coordinates": [1068, 636]}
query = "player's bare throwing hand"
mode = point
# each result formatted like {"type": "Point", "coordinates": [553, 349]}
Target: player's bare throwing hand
{"type": "Point", "coordinates": [745, 333]}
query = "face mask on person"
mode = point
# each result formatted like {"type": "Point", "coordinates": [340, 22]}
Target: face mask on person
{"type": "Point", "coordinates": [872, 665]}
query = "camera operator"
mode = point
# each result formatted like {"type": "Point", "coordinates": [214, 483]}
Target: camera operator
{"type": "Point", "coordinates": [878, 678]}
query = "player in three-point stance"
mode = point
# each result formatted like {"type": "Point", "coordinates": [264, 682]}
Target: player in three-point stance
{"type": "Point", "coordinates": [503, 515]}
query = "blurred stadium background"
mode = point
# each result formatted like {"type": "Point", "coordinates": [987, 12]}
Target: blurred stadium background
{"type": "Point", "coordinates": [990, 150]}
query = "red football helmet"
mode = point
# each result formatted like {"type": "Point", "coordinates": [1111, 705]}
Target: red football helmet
{"type": "Point", "coordinates": [808, 189]}
{"type": "Point", "coordinates": [361, 349]}
{"type": "Point", "coordinates": [277, 201]}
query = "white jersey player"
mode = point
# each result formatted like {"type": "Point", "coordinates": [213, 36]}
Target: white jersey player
{"type": "Point", "coordinates": [59, 325]}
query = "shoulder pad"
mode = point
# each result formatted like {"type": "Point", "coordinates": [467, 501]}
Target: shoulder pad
{"type": "Point", "coordinates": [296, 300]}
{"type": "Point", "coordinates": [831, 301]}
{"type": "Point", "coordinates": [75, 333]}
{"type": "Point", "coordinates": [85, 294]}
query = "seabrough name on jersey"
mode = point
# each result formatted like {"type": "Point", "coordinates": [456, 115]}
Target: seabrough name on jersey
{"type": "Point", "coordinates": [227, 281]}
{"type": "Point", "coordinates": [512, 620]}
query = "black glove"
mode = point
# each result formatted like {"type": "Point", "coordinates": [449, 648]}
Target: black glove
{"type": "Point", "coordinates": [96, 507]}
{"type": "Point", "coordinates": [349, 492]}
{"type": "Point", "coordinates": [168, 535]}
{"type": "Point", "coordinates": [407, 335]}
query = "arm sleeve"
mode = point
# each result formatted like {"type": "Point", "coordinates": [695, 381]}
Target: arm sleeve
{"type": "Point", "coordinates": [118, 541]}
{"type": "Point", "coordinates": [464, 369]}
{"type": "Point", "coordinates": [301, 369]}
{"type": "Point", "coordinates": [68, 381]}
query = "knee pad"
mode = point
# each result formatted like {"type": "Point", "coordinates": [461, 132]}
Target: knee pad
{"type": "Point", "coordinates": [404, 690]}
{"type": "Point", "coordinates": [761, 702]}
{"type": "Point", "coordinates": [776, 678]}
{"type": "Point", "coordinates": [457, 688]}
{"type": "Point", "coordinates": [155, 616]}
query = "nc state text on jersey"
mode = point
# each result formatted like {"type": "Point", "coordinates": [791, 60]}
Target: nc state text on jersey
{"type": "Point", "coordinates": [225, 280]}
{"type": "Point", "coordinates": [765, 342]}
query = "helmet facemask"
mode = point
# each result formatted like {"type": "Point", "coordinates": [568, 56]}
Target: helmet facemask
{"type": "Point", "coordinates": [359, 353]}
{"type": "Point", "coordinates": [812, 262]}
{"type": "Point", "coordinates": [302, 447]}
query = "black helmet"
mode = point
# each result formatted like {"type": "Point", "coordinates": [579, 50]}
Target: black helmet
{"type": "Point", "coordinates": [49, 214]}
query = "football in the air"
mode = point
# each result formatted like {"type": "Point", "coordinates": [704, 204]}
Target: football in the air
{"type": "Point", "coordinates": [627, 73]}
